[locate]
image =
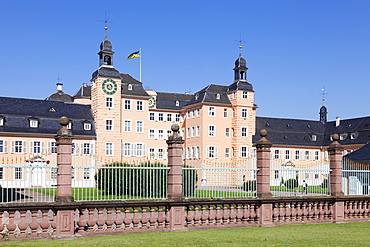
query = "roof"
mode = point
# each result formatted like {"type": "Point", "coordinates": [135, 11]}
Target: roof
{"type": "Point", "coordinates": [132, 87]}
{"type": "Point", "coordinates": [167, 101]}
{"type": "Point", "coordinates": [83, 92]}
{"type": "Point", "coordinates": [360, 155]}
{"type": "Point", "coordinates": [60, 96]}
{"type": "Point", "coordinates": [18, 112]}
{"type": "Point", "coordinates": [212, 94]}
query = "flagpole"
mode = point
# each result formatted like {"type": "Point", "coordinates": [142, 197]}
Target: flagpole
{"type": "Point", "coordinates": [140, 64]}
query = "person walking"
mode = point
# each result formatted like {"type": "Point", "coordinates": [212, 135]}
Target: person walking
{"type": "Point", "coordinates": [305, 186]}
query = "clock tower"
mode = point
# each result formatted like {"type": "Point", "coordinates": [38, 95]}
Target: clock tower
{"type": "Point", "coordinates": [106, 103]}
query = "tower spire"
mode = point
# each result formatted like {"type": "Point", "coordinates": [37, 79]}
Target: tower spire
{"type": "Point", "coordinates": [323, 110]}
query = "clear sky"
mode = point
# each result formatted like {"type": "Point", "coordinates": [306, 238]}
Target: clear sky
{"type": "Point", "coordinates": [293, 48]}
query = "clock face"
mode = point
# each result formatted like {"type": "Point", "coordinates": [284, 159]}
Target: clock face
{"type": "Point", "coordinates": [109, 86]}
{"type": "Point", "coordinates": [152, 102]}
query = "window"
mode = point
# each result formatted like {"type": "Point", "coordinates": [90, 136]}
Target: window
{"type": "Point", "coordinates": [197, 132]}
{"type": "Point", "coordinates": [86, 148]}
{"type": "Point", "coordinates": [227, 152]}
{"type": "Point", "coordinates": [317, 155]}
{"type": "Point", "coordinates": [307, 175]}
{"type": "Point", "coordinates": [34, 123]}
{"type": "Point", "coordinates": [160, 117]}
{"type": "Point", "coordinates": [160, 153]}
{"type": "Point", "coordinates": [127, 104]}
{"type": "Point", "coordinates": [188, 114]}
{"type": "Point", "coordinates": [109, 148]}
{"type": "Point", "coordinates": [177, 118]}
{"type": "Point", "coordinates": [244, 151]}
{"type": "Point", "coordinates": [2, 121]}
{"type": "Point", "coordinates": [18, 147]}
{"type": "Point", "coordinates": [244, 112]}
{"type": "Point", "coordinates": [245, 95]}
{"type": "Point", "coordinates": [87, 126]}
{"type": "Point", "coordinates": [297, 154]}
{"type": "Point", "coordinates": [287, 154]}
{"type": "Point", "coordinates": [109, 102]}
{"type": "Point", "coordinates": [197, 111]}
{"type": "Point", "coordinates": [109, 124]}
{"type": "Point", "coordinates": [69, 125]}
{"type": "Point", "coordinates": [316, 176]}
{"type": "Point", "coordinates": [169, 133]}
{"type": "Point", "coordinates": [139, 105]}
{"type": "Point", "coordinates": [351, 136]}
{"type": "Point", "coordinates": [129, 87]}
{"type": "Point", "coordinates": [244, 131]}
{"type": "Point", "coordinates": [37, 147]}
{"type": "Point", "coordinates": [53, 173]}
{"type": "Point", "coordinates": [74, 149]}
{"type": "Point", "coordinates": [188, 132]}
{"type": "Point", "coordinates": [218, 96]}
{"type": "Point", "coordinates": [151, 133]}
{"type": "Point", "coordinates": [234, 95]}
{"type": "Point", "coordinates": [227, 132]}
{"type": "Point", "coordinates": [225, 112]}
{"type": "Point", "coordinates": [313, 138]}
{"type": "Point", "coordinates": [160, 134]}
{"type": "Point", "coordinates": [86, 173]}
{"type": "Point", "coordinates": [139, 126]}
{"type": "Point", "coordinates": [18, 173]}
{"type": "Point", "coordinates": [211, 111]}
{"type": "Point", "coordinates": [126, 149]}
{"type": "Point", "coordinates": [192, 131]}
{"type": "Point", "coordinates": [276, 175]}
{"type": "Point", "coordinates": [177, 103]}
{"type": "Point", "coordinates": [211, 130]}
{"type": "Point", "coordinates": [307, 155]}
{"type": "Point", "coordinates": [127, 126]}
{"type": "Point", "coordinates": [151, 116]}
{"type": "Point", "coordinates": [3, 146]}
{"type": "Point", "coordinates": [277, 154]}
{"type": "Point", "coordinates": [169, 117]}
{"type": "Point", "coordinates": [140, 149]}
{"type": "Point", "coordinates": [211, 152]}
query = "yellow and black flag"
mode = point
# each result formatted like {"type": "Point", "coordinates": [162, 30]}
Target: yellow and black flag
{"type": "Point", "coordinates": [133, 55]}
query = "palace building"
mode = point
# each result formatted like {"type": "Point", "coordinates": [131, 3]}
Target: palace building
{"type": "Point", "coordinates": [115, 119]}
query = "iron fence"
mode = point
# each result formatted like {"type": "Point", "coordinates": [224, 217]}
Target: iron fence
{"type": "Point", "coordinates": [355, 178]}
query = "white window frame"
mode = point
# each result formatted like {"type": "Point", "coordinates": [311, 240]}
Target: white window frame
{"type": "Point", "coordinates": [139, 152]}
{"type": "Point", "coordinates": [109, 102]}
{"type": "Point", "coordinates": [307, 155]}
{"type": "Point", "coordinates": [160, 117]}
{"type": "Point", "coordinates": [211, 111]}
{"type": "Point", "coordinates": [277, 154]}
{"type": "Point", "coordinates": [109, 149]}
{"type": "Point", "coordinates": [151, 134]}
{"type": "Point", "coordinates": [109, 124]}
{"type": "Point", "coordinates": [127, 105]}
{"type": "Point", "coordinates": [227, 152]}
{"type": "Point", "coordinates": [227, 132]}
{"type": "Point", "coordinates": [288, 154]}
{"type": "Point", "coordinates": [169, 117]}
{"type": "Point", "coordinates": [160, 134]}
{"type": "Point", "coordinates": [151, 116]}
{"type": "Point", "coordinates": [127, 127]}
{"type": "Point", "coordinates": [297, 155]}
{"type": "Point", "coordinates": [139, 126]}
{"type": "Point", "coordinates": [87, 126]}
{"type": "Point", "coordinates": [177, 118]}
{"type": "Point", "coordinates": [212, 152]}
{"type": "Point", "coordinates": [317, 155]}
{"type": "Point", "coordinates": [244, 131]}
{"type": "Point", "coordinates": [36, 147]}
{"type": "Point", "coordinates": [127, 149]}
{"type": "Point", "coordinates": [225, 112]}
{"type": "Point", "coordinates": [245, 94]}
{"type": "Point", "coordinates": [197, 131]}
{"type": "Point", "coordinates": [3, 146]}
{"type": "Point", "coordinates": [18, 173]}
{"type": "Point", "coordinates": [211, 130]}
{"type": "Point", "coordinates": [86, 174]}
{"type": "Point", "coordinates": [244, 113]}
{"type": "Point", "coordinates": [34, 123]}
{"type": "Point", "coordinates": [86, 148]}
{"type": "Point", "coordinates": [18, 147]}
{"type": "Point", "coordinates": [139, 105]}
{"type": "Point", "coordinates": [244, 152]}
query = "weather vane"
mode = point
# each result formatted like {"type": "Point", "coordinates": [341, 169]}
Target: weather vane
{"type": "Point", "coordinates": [106, 21]}
{"type": "Point", "coordinates": [323, 94]}
{"type": "Point", "coordinates": [240, 41]}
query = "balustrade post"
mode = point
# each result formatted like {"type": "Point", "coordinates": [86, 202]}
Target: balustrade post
{"type": "Point", "coordinates": [335, 151]}
{"type": "Point", "coordinates": [64, 218]}
{"type": "Point", "coordinates": [263, 147]}
{"type": "Point", "coordinates": [175, 147]}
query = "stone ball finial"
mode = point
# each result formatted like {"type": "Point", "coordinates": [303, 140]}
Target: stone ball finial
{"type": "Point", "coordinates": [175, 127]}
{"type": "Point", "coordinates": [335, 137]}
{"type": "Point", "coordinates": [64, 121]}
{"type": "Point", "coordinates": [263, 133]}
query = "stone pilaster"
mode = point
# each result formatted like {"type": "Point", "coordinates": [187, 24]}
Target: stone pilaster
{"type": "Point", "coordinates": [263, 148]}
{"type": "Point", "coordinates": [64, 160]}
{"type": "Point", "coordinates": [335, 151]}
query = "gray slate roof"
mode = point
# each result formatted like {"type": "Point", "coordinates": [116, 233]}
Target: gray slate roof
{"type": "Point", "coordinates": [17, 113]}
{"type": "Point", "coordinates": [360, 155]}
{"type": "Point", "coordinates": [60, 96]}
{"type": "Point", "coordinates": [83, 92]}
{"type": "Point", "coordinates": [167, 101]}
{"type": "Point", "coordinates": [137, 86]}
{"type": "Point", "coordinates": [212, 94]}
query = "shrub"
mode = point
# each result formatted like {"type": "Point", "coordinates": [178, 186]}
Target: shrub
{"type": "Point", "coordinates": [249, 185]}
{"type": "Point", "coordinates": [291, 183]}
{"type": "Point", "coordinates": [325, 183]}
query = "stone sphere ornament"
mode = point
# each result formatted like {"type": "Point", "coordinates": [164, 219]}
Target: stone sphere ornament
{"type": "Point", "coordinates": [64, 121]}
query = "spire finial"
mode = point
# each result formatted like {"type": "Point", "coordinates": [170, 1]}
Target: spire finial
{"type": "Point", "coordinates": [106, 26]}
{"type": "Point", "coordinates": [240, 45]}
{"type": "Point", "coordinates": [323, 95]}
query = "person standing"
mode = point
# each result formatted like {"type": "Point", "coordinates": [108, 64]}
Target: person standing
{"type": "Point", "coordinates": [305, 186]}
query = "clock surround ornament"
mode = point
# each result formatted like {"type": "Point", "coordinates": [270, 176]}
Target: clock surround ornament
{"type": "Point", "coordinates": [109, 86]}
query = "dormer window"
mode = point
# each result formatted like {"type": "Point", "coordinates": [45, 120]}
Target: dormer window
{"type": "Point", "coordinates": [218, 96]}
{"type": "Point", "coordinates": [69, 125]}
{"type": "Point", "coordinates": [342, 136]}
{"type": "Point", "coordinates": [313, 138]}
{"type": "Point", "coordinates": [87, 125]}
{"type": "Point", "coordinates": [34, 122]}
{"type": "Point", "coordinates": [177, 103]}
{"type": "Point", "coordinates": [352, 136]}
{"type": "Point", "coordinates": [52, 110]}
{"type": "Point", "coordinates": [196, 96]}
{"type": "Point", "coordinates": [2, 121]}
{"type": "Point", "coordinates": [129, 87]}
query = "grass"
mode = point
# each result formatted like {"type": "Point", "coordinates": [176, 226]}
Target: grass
{"type": "Point", "coordinates": [311, 189]}
{"type": "Point", "coordinates": [348, 234]}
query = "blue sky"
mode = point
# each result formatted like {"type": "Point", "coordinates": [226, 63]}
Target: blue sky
{"type": "Point", "coordinates": [293, 49]}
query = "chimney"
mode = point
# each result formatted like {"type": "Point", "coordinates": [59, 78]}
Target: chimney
{"type": "Point", "coordinates": [337, 121]}
{"type": "Point", "coordinates": [60, 87]}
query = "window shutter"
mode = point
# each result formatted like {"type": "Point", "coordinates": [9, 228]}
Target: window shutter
{"type": "Point", "coordinates": [49, 148]}
{"type": "Point", "coordinates": [122, 148]}
{"type": "Point", "coordinates": [42, 147]}
{"type": "Point", "coordinates": [24, 147]}
{"type": "Point", "coordinates": [13, 147]}
{"type": "Point", "coordinates": [133, 149]}
{"type": "Point", "coordinates": [81, 149]}
{"type": "Point", "coordinates": [92, 150]}
{"type": "Point", "coordinates": [32, 143]}
{"type": "Point", "coordinates": [216, 152]}
{"type": "Point", "coordinates": [5, 146]}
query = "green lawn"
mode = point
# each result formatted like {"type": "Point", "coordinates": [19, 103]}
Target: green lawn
{"type": "Point", "coordinates": [348, 234]}
{"type": "Point", "coordinates": [311, 189]}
